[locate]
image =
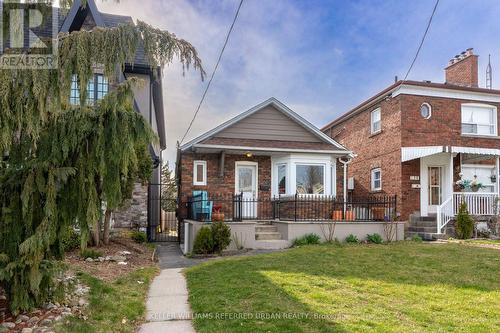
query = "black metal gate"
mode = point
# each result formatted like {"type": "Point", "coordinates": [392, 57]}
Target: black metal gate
{"type": "Point", "coordinates": [163, 225]}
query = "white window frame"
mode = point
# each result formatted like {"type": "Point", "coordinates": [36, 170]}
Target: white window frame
{"type": "Point", "coordinates": [484, 106]}
{"type": "Point", "coordinates": [430, 110]}
{"type": "Point", "coordinates": [287, 180]}
{"type": "Point", "coordinates": [195, 173]}
{"type": "Point", "coordinates": [323, 165]}
{"type": "Point", "coordinates": [372, 123]}
{"type": "Point", "coordinates": [372, 179]}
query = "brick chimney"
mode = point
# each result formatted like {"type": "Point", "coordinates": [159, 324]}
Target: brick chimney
{"type": "Point", "coordinates": [462, 70]}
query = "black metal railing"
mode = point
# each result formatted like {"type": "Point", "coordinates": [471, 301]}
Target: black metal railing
{"type": "Point", "coordinates": [238, 207]}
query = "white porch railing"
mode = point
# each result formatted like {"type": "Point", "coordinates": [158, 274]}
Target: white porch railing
{"type": "Point", "coordinates": [478, 204]}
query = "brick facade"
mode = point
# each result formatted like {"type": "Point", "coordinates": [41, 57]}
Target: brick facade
{"type": "Point", "coordinates": [403, 126]}
{"type": "Point", "coordinates": [217, 185]}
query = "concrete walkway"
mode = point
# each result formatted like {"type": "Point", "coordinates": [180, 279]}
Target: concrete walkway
{"type": "Point", "coordinates": [167, 305]}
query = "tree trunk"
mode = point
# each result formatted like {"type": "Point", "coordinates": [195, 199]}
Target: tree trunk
{"type": "Point", "coordinates": [107, 221]}
{"type": "Point", "coordinates": [96, 233]}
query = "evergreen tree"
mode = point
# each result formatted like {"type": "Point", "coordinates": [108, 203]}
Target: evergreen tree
{"type": "Point", "coordinates": [62, 162]}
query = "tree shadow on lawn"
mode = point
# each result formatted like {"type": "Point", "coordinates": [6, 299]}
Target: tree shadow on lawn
{"type": "Point", "coordinates": [400, 287]}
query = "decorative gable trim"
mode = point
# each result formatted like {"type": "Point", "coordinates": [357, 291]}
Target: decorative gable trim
{"type": "Point", "coordinates": [77, 9]}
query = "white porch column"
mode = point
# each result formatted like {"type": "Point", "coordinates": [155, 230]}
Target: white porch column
{"type": "Point", "coordinates": [345, 163]}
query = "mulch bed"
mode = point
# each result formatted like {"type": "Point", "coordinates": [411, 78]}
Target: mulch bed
{"type": "Point", "coordinates": [141, 256]}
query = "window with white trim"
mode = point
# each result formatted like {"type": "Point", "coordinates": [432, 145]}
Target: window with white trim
{"type": "Point", "coordinates": [200, 173]}
{"type": "Point", "coordinates": [310, 178]}
{"type": "Point", "coordinates": [282, 168]}
{"type": "Point", "coordinates": [479, 119]}
{"type": "Point", "coordinates": [376, 179]}
{"type": "Point", "coordinates": [376, 121]}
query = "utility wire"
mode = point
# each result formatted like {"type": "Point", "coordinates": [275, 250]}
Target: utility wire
{"type": "Point", "coordinates": [422, 41]}
{"type": "Point", "coordinates": [213, 73]}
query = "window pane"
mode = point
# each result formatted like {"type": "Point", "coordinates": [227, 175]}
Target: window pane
{"type": "Point", "coordinates": [102, 86]}
{"type": "Point", "coordinates": [478, 120]}
{"type": "Point", "coordinates": [245, 179]}
{"type": "Point", "coordinates": [376, 179]}
{"type": "Point", "coordinates": [310, 179]}
{"type": "Point", "coordinates": [199, 173]}
{"type": "Point", "coordinates": [91, 91]}
{"type": "Point", "coordinates": [74, 98]}
{"type": "Point", "coordinates": [282, 179]}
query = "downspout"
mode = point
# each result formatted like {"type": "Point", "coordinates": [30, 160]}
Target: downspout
{"type": "Point", "coordinates": [345, 163]}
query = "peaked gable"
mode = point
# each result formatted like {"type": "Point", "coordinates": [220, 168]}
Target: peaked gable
{"type": "Point", "coordinates": [270, 120]}
{"type": "Point", "coordinates": [268, 123]}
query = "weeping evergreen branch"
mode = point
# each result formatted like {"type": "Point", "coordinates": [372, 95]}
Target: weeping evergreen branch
{"type": "Point", "coordinates": [62, 162]}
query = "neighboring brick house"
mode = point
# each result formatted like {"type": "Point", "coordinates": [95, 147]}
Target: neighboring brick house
{"type": "Point", "coordinates": [266, 151]}
{"type": "Point", "coordinates": [414, 139]}
{"type": "Point", "coordinates": [148, 101]}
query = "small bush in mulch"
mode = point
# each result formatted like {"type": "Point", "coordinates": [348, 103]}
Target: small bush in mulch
{"type": "Point", "coordinates": [308, 239]}
{"type": "Point", "coordinates": [139, 237]}
{"type": "Point", "coordinates": [374, 238]}
{"type": "Point", "coordinates": [203, 242]}
{"type": "Point", "coordinates": [352, 239]}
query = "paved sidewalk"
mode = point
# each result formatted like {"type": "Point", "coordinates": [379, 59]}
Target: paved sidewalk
{"type": "Point", "coordinates": [167, 305]}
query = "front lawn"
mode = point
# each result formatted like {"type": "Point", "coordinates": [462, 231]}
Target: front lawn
{"type": "Point", "coordinates": [404, 287]}
{"type": "Point", "coordinates": [117, 306]}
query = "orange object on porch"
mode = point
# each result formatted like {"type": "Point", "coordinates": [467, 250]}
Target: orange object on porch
{"type": "Point", "coordinates": [337, 215]}
{"type": "Point", "coordinates": [350, 216]}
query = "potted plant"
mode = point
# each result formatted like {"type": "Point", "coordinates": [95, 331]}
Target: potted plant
{"type": "Point", "coordinates": [475, 184]}
{"type": "Point", "coordinates": [217, 214]}
{"type": "Point", "coordinates": [467, 185]}
{"type": "Point", "coordinates": [337, 215]}
{"type": "Point", "coordinates": [349, 215]}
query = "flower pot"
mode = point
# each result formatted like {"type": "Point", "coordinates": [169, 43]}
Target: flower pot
{"type": "Point", "coordinates": [350, 216]}
{"type": "Point", "coordinates": [474, 188]}
{"type": "Point", "coordinates": [216, 217]}
{"type": "Point", "coordinates": [337, 215]}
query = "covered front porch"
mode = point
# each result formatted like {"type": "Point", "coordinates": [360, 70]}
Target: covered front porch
{"type": "Point", "coordinates": [450, 175]}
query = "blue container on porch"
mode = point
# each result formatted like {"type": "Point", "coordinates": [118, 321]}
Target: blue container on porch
{"type": "Point", "coordinates": [201, 205]}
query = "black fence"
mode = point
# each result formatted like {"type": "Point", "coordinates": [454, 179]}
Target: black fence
{"type": "Point", "coordinates": [297, 207]}
{"type": "Point", "coordinates": [163, 225]}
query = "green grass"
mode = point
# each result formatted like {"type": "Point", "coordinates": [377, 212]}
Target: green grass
{"type": "Point", "coordinates": [117, 306]}
{"type": "Point", "coordinates": [484, 241]}
{"type": "Point", "coordinates": [404, 287]}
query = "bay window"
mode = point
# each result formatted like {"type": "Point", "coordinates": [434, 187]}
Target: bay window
{"type": "Point", "coordinates": [282, 178]}
{"type": "Point", "coordinates": [479, 119]}
{"type": "Point", "coordinates": [310, 179]}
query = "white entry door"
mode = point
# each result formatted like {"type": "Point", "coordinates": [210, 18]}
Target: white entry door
{"type": "Point", "coordinates": [435, 183]}
{"type": "Point", "coordinates": [246, 184]}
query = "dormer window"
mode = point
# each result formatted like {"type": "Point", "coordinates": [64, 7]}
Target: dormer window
{"type": "Point", "coordinates": [479, 119]}
{"type": "Point", "coordinates": [97, 88]}
{"type": "Point", "coordinates": [376, 121]}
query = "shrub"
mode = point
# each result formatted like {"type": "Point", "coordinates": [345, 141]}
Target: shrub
{"type": "Point", "coordinates": [71, 241]}
{"type": "Point", "coordinates": [139, 236]}
{"type": "Point", "coordinates": [416, 238]}
{"type": "Point", "coordinates": [374, 238]}
{"type": "Point", "coordinates": [221, 236]}
{"type": "Point", "coordinates": [203, 242]}
{"type": "Point", "coordinates": [352, 239]}
{"type": "Point", "coordinates": [90, 253]}
{"type": "Point", "coordinates": [307, 239]}
{"type": "Point", "coordinates": [464, 226]}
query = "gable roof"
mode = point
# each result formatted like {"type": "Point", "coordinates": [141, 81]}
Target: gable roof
{"type": "Point", "coordinates": [278, 106]}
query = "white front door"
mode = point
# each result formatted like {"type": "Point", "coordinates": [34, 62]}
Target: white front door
{"type": "Point", "coordinates": [435, 190]}
{"type": "Point", "coordinates": [436, 181]}
{"type": "Point", "coordinates": [246, 184]}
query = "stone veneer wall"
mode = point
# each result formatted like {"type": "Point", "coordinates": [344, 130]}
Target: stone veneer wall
{"type": "Point", "coordinates": [135, 211]}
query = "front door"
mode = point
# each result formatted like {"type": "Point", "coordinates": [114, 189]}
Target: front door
{"type": "Point", "coordinates": [246, 184]}
{"type": "Point", "coordinates": [435, 189]}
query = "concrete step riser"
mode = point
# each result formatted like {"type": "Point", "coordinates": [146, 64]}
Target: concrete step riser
{"type": "Point", "coordinates": [423, 229]}
{"type": "Point", "coordinates": [267, 236]}
{"type": "Point", "coordinates": [266, 229]}
{"type": "Point", "coordinates": [428, 236]}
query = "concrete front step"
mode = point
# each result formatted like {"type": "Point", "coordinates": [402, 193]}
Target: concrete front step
{"type": "Point", "coordinates": [413, 228]}
{"type": "Point", "coordinates": [423, 223]}
{"type": "Point", "coordinates": [428, 236]}
{"type": "Point", "coordinates": [266, 228]}
{"type": "Point", "coordinates": [275, 244]}
{"type": "Point", "coordinates": [267, 236]}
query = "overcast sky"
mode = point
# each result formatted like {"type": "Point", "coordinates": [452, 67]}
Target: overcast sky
{"type": "Point", "coordinates": [320, 58]}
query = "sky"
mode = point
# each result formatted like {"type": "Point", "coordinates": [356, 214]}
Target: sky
{"type": "Point", "coordinates": [320, 58]}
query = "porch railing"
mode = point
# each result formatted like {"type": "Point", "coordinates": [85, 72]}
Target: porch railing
{"type": "Point", "coordinates": [478, 204]}
{"type": "Point", "coordinates": [297, 207]}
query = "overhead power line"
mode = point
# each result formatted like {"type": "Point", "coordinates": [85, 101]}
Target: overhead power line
{"type": "Point", "coordinates": [422, 41]}
{"type": "Point", "coordinates": [213, 73]}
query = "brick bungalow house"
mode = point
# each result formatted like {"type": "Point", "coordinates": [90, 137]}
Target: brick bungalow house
{"type": "Point", "coordinates": [269, 165]}
{"type": "Point", "coordinates": [417, 139]}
